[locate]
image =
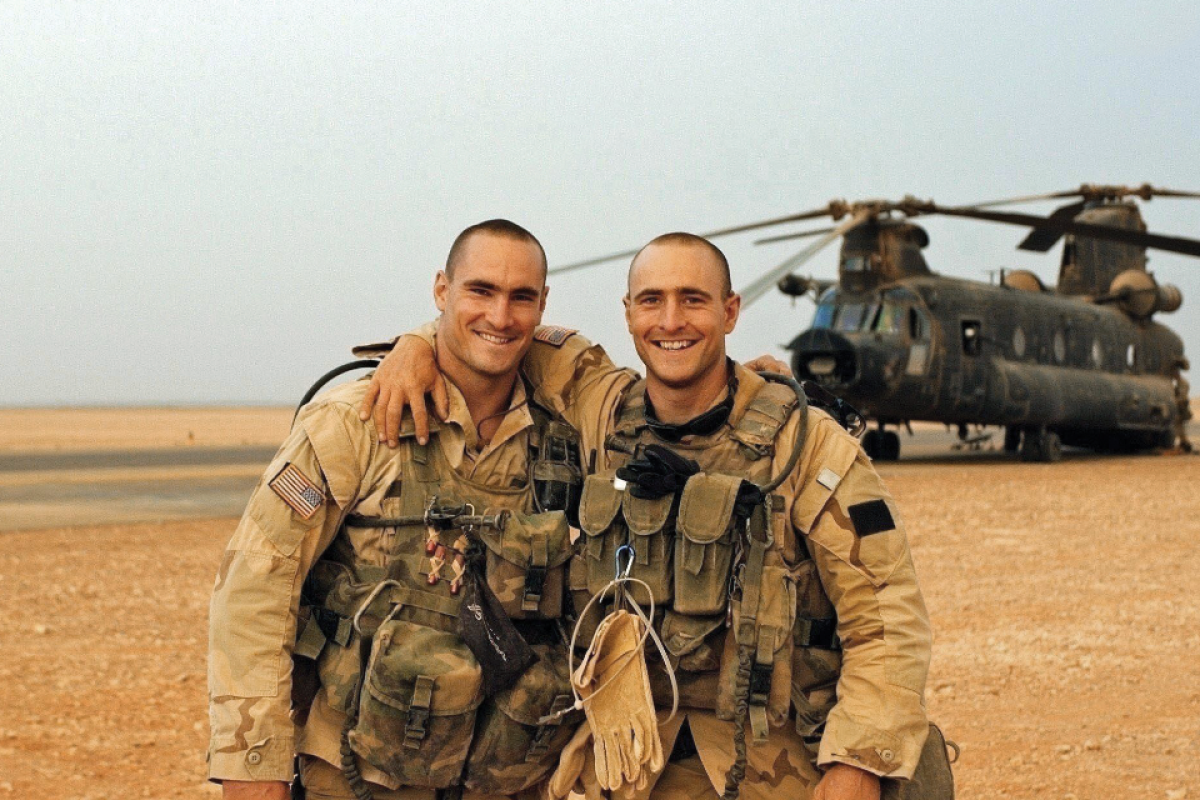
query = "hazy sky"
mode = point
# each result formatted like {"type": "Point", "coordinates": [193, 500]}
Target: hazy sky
{"type": "Point", "coordinates": [211, 202]}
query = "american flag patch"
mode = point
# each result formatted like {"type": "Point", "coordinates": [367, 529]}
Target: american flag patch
{"type": "Point", "coordinates": [553, 335]}
{"type": "Point", "coordinates": [295, 489]}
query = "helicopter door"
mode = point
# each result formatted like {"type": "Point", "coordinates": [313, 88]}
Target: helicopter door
{"type": "Point", "coordinates": [973, 370]}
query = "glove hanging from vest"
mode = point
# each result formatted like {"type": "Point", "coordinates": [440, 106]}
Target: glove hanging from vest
{"type": "Point", "coordinates": [748, 497]}
{"type": "Point", "coordinates": [501, 651]}
{"type": "Point", "coordinates": [658, 473]}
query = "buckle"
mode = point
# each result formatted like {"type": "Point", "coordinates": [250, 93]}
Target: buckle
{"type": "Point", "coordinates": [535, 584]}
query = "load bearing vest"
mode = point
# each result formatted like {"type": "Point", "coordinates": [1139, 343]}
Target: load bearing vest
{"type": "Point", "coordinates": [721, 583]}
{"type": "Point", "coordinates": [392, 660]}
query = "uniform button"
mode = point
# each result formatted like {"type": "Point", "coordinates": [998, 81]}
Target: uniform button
{"type": "Point", "coordinates": [886, 755]}
{"type": "Point", "coordinates": [253, 758]}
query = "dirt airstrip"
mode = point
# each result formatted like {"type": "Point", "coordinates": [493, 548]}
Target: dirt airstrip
{"type": "Point", "coordinates": [1064, 597]}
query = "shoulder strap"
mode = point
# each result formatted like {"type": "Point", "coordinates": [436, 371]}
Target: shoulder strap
{"type": "Point", "coordinates": [766, 414]}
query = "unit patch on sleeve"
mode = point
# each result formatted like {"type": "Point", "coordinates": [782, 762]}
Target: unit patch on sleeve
{"type": "Point", "coordinates": [870, 517]}
{"type": "Point", "coordinates": [553, 335]}
{"type": "Point", "coordinates": [295, 489]}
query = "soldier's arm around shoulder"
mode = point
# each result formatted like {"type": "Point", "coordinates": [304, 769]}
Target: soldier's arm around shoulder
{"type": "Point", "coordinates": [292, 516]}
{"type": "Point", "coordinates": [856, 538]}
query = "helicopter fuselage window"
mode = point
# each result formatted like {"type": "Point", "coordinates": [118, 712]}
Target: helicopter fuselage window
{"type": "Point", "coordinates": [1060, 346]}
{"type": "Point", "coordinates": [972, 342]}
{"type": "Point", "coordinates": [1018, 342]}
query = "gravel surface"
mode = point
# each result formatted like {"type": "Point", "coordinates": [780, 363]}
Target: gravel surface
{"type": "Point", "coordinates": [1064, 599]}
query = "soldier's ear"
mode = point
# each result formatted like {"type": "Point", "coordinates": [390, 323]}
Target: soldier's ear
{"type": "Point", "coordinates": [627, 303]}
{"type": "Point", "coordinates": [733, 309]}
{"type": "Point", "coordinates": [441, 289]}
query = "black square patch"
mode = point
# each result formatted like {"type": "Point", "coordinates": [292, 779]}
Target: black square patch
{"type": "Point", "coordinates": [870, 517]}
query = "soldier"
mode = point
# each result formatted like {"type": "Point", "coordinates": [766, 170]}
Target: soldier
{"type": "Point", "coordinates": [810, 588]}
{"type": "Point", "coordinates": [370, 598]}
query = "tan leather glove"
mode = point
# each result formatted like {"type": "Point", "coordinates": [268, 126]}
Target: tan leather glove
{"type": "Point", "coordinates": [576, 770]}
{"type": "Point", "coordinates": [615, 686]}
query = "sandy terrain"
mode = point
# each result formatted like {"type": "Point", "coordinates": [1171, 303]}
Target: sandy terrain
{"type": "Point", "coordinates": [1063, 596]}
{"type": "Point", "coordinates": [32, 429]}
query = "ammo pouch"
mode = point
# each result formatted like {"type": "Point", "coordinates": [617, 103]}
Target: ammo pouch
{"type": "Point", "coordinates": [512, 750]}
{"type": "Point", "coordinates": [643, 524]}
{"type": "Point", "coordinates": [933, 779]}
{"type": "Point", "coordinates": [527, 564]}
{"type": "Point", "coordinates": [704, 546]}
{"type": "Point", "coordinates": [417, 707]}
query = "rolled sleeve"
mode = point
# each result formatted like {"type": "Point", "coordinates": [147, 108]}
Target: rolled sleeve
{"type": "Point", "coordinates": [858, 544]}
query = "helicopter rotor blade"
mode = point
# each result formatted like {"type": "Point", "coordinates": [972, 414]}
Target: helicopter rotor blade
{"type": "Point", "coordinates": [752, 226]}
{"type": "Point", "coordinates": [783, 237]}
{"type": "Point", "coordinates": [761, 285]}
{"type": "Point", "coordinates": [1029, 198]}
{"type": "Point", "coordinates": [1171, 244]}
{"type": "Point", "coordinates": [1040, 240]}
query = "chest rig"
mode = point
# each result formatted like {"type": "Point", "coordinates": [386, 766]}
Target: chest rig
{"type": "Point", "coordinates": [731, 619]}
{"type": "Point", "coordinates": [386, 596]}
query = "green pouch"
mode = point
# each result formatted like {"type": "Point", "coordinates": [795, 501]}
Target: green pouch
{"type": "Point", "coordinates": [704, 550]}
{"type": "Point", "coordinates": [652, 542]}
{"type": "Point", "coordinates": [526, 564]}
{"type": "Point", "coordinates": [417, 709]}
{"type": "Point", "coordinates": [512, 749]}
{"type": "Point", "coordinates": [603, 531]}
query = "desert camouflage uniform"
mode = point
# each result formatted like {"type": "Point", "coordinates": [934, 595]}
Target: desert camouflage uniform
{"type": "Point", "coordinates": [257, 597]}
{"type": "Point", "coordinates": [859, 702]}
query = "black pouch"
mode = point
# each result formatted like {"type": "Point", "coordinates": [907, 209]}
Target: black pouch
{"type": "Point", "coordinates": [489, 634]}
{"type": "Point", "coordinates": [933, 779]}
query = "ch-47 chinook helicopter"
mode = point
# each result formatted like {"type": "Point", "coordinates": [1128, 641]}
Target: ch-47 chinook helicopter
{"type": "Point", "coordinates": [1082, 363]}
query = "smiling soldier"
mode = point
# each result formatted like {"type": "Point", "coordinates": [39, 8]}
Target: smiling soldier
{"type": "Point", "coordinates": [793, 621]}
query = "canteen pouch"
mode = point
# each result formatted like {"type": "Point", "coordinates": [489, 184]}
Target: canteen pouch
{"type": "Point", "coordinates": [512, 750]}
{"type": "Point", "coordinates": [603, 533]}
{"type": "Point", "coordinates": [651, 538]}
{"type": "Point", "coordinates": [557, 472]}
{"type": "Point", "coordinates": [704, 545]}
{"type": "Point", "coordinates": [527, 564]}
{"type": "Point", "coordinates": [421, 690]}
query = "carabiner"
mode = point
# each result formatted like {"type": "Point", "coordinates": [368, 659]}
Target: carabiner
{"type": "Point", "coordinates": [623, 572]}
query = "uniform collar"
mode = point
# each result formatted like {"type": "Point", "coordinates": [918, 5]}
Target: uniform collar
{"type": "Point", "coordinates": [515, 420]}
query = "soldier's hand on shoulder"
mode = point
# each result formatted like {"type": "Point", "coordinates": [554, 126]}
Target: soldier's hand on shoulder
{"type": "Point", "coordinates": [844, 782]}
{"type": "Point", "coordinates": [407, 374]}
{"type": "Point", "coordinates": [255, 790]}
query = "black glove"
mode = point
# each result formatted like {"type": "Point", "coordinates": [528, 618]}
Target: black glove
{"type": "Point", "coordinates": [748, 497]}
{"type": "Point", "coordinates": [658, 473]}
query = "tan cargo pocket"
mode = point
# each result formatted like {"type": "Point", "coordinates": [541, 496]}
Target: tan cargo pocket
{"type": "Point", "coordinates": [690, 641]}
{"type": "Point", "coordinates": [527, 564]}
{"type": "Point", "coordinates": [603, 533]}
{"type": "Point", "coordinates": [652, 542]}
{"type": "Point", "coordinates": [704, 550]}
{"type": "Point", "coordinates": [512, 750]}
{"type": "Point", "coordinates": [417, 712]}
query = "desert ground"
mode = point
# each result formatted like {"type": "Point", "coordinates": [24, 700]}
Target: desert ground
{"type": "Point", "coordinates": [1064, 599]}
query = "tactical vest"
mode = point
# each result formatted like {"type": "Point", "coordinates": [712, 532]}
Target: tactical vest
{"type": "Point", "coordinates": [393, 661]}
{"type": "Point", "coordinates": [719, 583]}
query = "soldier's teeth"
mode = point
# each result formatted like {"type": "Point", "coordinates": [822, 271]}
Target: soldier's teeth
{"type": "Point", "coordinates": [493, 339]}
{"type": "Point", "coordinates": [674, 345]}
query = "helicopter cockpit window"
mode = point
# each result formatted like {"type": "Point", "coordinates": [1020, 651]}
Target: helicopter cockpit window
{"type": "Point", "coordinates": [891, 318]}
{"type": "Point", "coordinates": [918, 326]}
{"type": "Point", "coordinates": [855, 264]}
{"type": "Point", "coordinates": [824, 315]}
{"type": "Point", "coordinates": [855, 316]}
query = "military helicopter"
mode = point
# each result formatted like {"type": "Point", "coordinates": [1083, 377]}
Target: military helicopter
{"type": "Point", "coordinates": [1082, 363]}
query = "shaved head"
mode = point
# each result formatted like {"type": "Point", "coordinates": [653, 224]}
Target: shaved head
{"type": "Point", "coordinates": [689, 239]}
{"type": "Point", "coordinates": [495, 227]}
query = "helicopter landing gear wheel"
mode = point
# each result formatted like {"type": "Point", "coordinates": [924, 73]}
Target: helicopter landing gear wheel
{"type": "Point", "coordinates": [872, 445]}
{"type": "Point", "coordinates": [881, 445]}
{"type": "Point", "coordinates": [889, 446]}
{"type": "Point", "coordinates": [1041, 445]}
{"type": "Point", "coordinates": [1012, 439]}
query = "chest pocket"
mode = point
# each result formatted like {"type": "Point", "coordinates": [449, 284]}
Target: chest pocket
{"type": "Point", "coordinates": [704, 550]}
{"type": "Point", "coordinates": [527, 564]}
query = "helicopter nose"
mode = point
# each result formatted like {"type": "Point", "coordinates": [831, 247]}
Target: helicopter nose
{"type": "Point", "coordinates": [823, 356]}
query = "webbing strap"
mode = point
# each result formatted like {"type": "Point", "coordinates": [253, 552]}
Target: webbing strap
{"type": "Point", "coordinates": [418, 712]}
{"type": "Point", "coordinates": [760, 535]}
